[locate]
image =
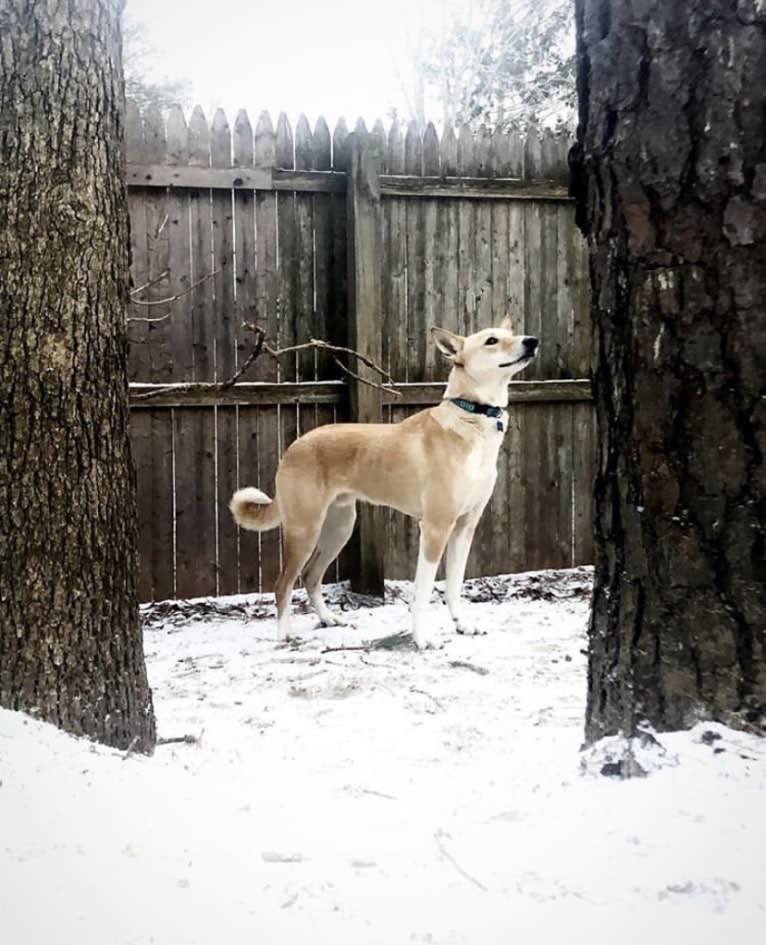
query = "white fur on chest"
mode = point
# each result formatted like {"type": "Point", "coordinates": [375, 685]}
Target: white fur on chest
{"type": "Point", "coordinates": [480, 465]}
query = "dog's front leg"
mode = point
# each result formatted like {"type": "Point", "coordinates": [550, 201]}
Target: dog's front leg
{"type": "Point", "coordinates": [458, 549]}
{"type": "Point", "coordinates": [432, 542]}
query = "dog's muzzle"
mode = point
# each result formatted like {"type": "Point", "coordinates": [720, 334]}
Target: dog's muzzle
{"type": "Point", "coordinates": [528, 350]}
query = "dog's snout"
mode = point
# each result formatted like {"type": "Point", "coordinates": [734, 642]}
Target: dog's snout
{"type": "Point", "coordinates": [530, 345]}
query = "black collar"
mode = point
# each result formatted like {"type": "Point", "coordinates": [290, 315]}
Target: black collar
{"type": "Point", "coordinates": [472, 407]}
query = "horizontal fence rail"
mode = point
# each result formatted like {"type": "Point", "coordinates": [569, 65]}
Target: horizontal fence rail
{"type": "Point", "coordinates": [337, 392]}
{"type": "Point", "coordinates": [365, 239]}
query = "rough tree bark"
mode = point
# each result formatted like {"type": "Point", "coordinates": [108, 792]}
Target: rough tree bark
{"type": "Point", "coordinates": [670, 177]}
{"type": "Point", "coordinates": [70, 640]}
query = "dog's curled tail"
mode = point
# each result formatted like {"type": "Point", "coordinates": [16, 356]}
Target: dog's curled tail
{"type": "Point", "coordinates": [254, 510]}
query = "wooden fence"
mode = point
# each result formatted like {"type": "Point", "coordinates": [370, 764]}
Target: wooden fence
{"type": "Point", "coordinates": [369, 238]}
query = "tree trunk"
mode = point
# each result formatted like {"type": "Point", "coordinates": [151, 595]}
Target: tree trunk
{"type": "Point", "coordinates": [670, 178]}
{"type": "Point", "coordinates": [70, 639]}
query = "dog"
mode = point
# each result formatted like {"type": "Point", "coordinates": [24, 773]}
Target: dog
{"type": "Point", "coordinates": [439, 466]}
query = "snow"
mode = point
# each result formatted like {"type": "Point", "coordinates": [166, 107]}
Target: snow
{"type": "Point", "coordinates": [379, 795]}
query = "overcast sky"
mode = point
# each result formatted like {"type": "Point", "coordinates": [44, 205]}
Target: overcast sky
{"type": "Point", "coordinates": [330, 57]}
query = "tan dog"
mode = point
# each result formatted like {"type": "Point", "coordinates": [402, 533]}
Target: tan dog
{"type": "Point", "coordinates": [438, 466]}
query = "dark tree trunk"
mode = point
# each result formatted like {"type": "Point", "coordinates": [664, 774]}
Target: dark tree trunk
{"type": "Point", "coordinates": [670, 178]}
{"type": "Point", "coordinates": [70, 640]}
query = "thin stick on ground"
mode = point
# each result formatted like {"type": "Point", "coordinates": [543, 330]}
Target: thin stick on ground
{"type": "Point", "coordinates": [179, 740]}
{"type": "Point", "coordinates": [422, 692]}
{"type": "Point", "coordinates": [134, 743]}
{"type": "Point", "coordinates": [451, 859]}
{"type": "Point", "coordinates": [347, 649]}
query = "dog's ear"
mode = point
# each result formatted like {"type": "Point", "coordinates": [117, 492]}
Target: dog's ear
{"type": "Point", "coordinates": [506, 323]}
{"type": "Point", "coordinates": [447, 342]}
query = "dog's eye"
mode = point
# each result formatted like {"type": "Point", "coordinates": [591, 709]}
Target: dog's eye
{"type": "Point", "coordinates": [491, 341]}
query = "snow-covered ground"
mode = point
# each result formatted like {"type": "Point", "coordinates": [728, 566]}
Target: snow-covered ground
{"type": "Point", "coordinates": [379, 795]}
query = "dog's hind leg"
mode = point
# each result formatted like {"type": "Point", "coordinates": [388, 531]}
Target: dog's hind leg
{"type": "Point", "coordinates": [298, 543]}
{"type": "Point", "coordinates": [336, 530]}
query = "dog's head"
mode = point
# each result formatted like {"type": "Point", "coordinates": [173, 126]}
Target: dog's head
{"type": "Point", "coordinates": [493, 353]}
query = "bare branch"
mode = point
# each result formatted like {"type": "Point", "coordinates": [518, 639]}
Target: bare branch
{"type": "Point", "coordinates": [214, 386]}
{"type": "Point", "coordinates": [250, 359]}
{"type": "Point", "coordinates": [260, 345]}
{"type": "Point", "coordinates": [172, 298]}
{"type": "Point", "coordinates": [150, 283]}
{"type": "Point", "coordinates": [161, 227]}
{"type": "Point", "coordinates": [318, 344]}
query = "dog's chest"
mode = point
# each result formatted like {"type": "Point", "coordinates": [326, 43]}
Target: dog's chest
{"type": "Point", "coordinates": [480, 465]}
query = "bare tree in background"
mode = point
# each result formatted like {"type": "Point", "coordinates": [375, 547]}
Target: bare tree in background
{"type": "Point", "coordinates": [140, 60]}
{"type": "Point", "coordinates": [70, 640]}
{"type": "Point", "coordinates": [501, 63]}
{"type": "Point", "coordinates": [670, 179]}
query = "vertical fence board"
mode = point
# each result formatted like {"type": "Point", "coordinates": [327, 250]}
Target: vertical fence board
{"type": "Point", "coordinates": [583, 470]}
{"type": "Point", "coordinates": [249, 454]}
{"type": "Point", "coordinates": [394, 349]}
{"type": "Point", "coordinates": [194, 450]}
{"type": "Point", "coordinates": [559, 552]}
{"type": "Point", "coordinates": [446, 276]}
{"type": "Point", "coordinates": [222, 251]}
{"type": "Point", "coordinates": [267, 291]}
{"type": "Point", "coordinates": [338, 308]}
{"type": "Point", "coordinates": [203, 327]}
{"type": "Point", "coordinates": [157, 334]}
{"type": "Point", "coordinates": [365, 307]}
{"type": "Point", "coordinates": [515, 515]}
{"type": "Point", "coordinates": [321, 159]}
{"type": "Point", "coordinates": [466, 236]}
{"type": "Point", "coordinates": [226, 336]}
{"type": "Point", "coordinates": [415, 233]}
{"type": "Point", "coordinates": [134, 152]}
{"type": "Point", "coordinates": [180, 341]}
{"type": "Point", "coordinates": [432, 215]}
{"type": "Point", "coordinates": [288, 252]}
{"type": "Point", "coordinates": [245, 310]}
{"type": "Point", "coordinates": [304, 256]}
{"type": "Point", "coordinates": [151, 438]}
{"type": "Point", "coordinates": [226, 433]}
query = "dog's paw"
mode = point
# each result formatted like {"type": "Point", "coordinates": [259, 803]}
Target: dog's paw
{"type": "Point", "coordinates": [468, 629]}
{"type": "Point", "coordinates": [330, 619]}
{"type": "Point", "coordinates": [429, 643]}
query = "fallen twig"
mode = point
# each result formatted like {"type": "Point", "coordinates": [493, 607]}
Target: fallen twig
{"type": "Point", "coordinates": [461, 664]}
{"type": "Point", "coordinates": [364, 648]}
{"type": "Point", "coordinates": [451, 859]}
{"type": "Point", "coordinates": [179, 740]}
{"type": "Point", "coordinates": [387, 797]}
{"type": "Point", "coordinates": [422, 692]}
{"type": "Point", "coordinates": [134, 743]}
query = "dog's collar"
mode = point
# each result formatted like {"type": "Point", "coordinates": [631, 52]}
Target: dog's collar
{"type": "Point", "coordinates": [471, 406]}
